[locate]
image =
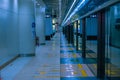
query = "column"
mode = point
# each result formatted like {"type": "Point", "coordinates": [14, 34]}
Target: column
{"type": "Point", "coordinates": [48, 27]}
{"type": "Point", "coordinates": [40, 22]}
{"type": "Point", "coordinates": [84, 38]}
{"type": "Point", "coordinates": [77, 35]}
{"type": "Point", "coordinates": [101, 45]}
{"type": "Point", "coordinates": [26, 37]}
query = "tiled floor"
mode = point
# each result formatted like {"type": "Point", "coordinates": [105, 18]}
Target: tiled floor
{"type": "Point", "coordinates": [57, 60]}
{"type": "Point", "coordinates": [44, 66]}
{"type": "Point", "coordinates": [73, 67]}
{"type": "Point", "coordinates": [9, 72]}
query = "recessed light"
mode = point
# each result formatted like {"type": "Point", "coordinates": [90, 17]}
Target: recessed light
{"type": "Point", "coordinates": [38, 4]}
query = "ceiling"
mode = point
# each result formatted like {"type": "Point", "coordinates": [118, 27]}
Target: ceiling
{"type": "Point", "coordinates": [92, 4]}
{"type": "Point", "coordinates": [57, 7]}
{"type": "Point", "coordinates": [52, 7]}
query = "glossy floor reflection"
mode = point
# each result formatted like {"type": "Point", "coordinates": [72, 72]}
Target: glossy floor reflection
{"type": "Point", "coordinates": [44, 66]}
{"type": "Point", "coordinates": [73, 67]}
{"type": "Point", "coordinates": [57, 60]}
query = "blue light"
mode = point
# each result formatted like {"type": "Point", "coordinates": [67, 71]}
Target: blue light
{"type": "Point", "coordinates": [69, 11]}
{"type": "Point", "coordinates": [79, 6]}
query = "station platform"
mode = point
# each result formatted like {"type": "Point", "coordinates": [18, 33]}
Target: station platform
{"type": "Point", "coordinates": [57, 60]}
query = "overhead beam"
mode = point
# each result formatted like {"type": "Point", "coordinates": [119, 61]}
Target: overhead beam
{"type": "Point", "coordinates": [103, 6]}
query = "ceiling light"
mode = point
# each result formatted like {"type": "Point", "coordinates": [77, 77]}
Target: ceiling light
{"type": "Point", "coordinates": [75, 10]}
{"type": "Point", "coordinates": [69, 11]}
{"type": "Point", "coordinates": [38, 4]}
{"type": "Point", "coordinates": [79, 6]}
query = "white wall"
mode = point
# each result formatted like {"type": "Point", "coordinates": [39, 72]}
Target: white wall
{"type": "Point", "coordinates": [9, 36]}
{"type": "Point", "coordinates": [26, 18]}
{"type": "Point", "coordinates": [16, 17]}
{"type": "Point", "coordinates": [40, 22]}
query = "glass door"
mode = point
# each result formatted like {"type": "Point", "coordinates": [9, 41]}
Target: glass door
{"type": "Point", "coordinates": [91, 42]}
{"type": "Point", "coordinates": [75, 26]}
{"type": "Point", "coordinates": [113, 42]}
{"type": "Point", "coordinates": [79, 36]}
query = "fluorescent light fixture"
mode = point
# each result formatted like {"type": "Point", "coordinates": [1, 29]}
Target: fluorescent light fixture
{"type": "Point", "coordinates": [79, 6]}
{"type": "Point", "coordinates": [53, 27]}
{"type": "Point", "coordinates": [38, 4]}
{"type": "Point", "coordinates": [75, 10]}
{"type": "Point", "coordinates": [69, 11]}
{"type": "Point", "coordinates": [53, 21]}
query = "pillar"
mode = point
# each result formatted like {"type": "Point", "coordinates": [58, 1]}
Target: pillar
{"type": "Point", "coordinates": [83, 38]}
{"type": "Point", "coordinates": [101, 45]}
{"type": "Point", "coordinates": [26, 37]}
{"type": "Point", "coordinates": [48, 27]}
{"type": "Point", "coordinates": [40, 22]}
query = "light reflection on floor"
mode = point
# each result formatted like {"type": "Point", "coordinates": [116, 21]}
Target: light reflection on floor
{"type": "Point", "coordinates": [73, 67]}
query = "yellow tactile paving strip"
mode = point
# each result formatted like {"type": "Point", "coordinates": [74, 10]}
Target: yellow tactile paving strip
{"type": "Point", "coordinates": [113, 71]}
{"type": "Point", "coordinates": [47, 71]}
{"type": "Point", "coordinates": [80, 66]}
{"type": "Point", "coordinates": [84, 74]}
{"type": "Point", "coordinates": [45, 65]}
{"type": "Point", "coordinates": [46, 77]}
{"type": "Point", "coordinates": [72, 55]}
{"type": "Point", "coordinates": [73, 70]}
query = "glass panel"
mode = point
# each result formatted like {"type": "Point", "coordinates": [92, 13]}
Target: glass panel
{"type": "Point", "coordinates": [107, 48]}
{"type": "Point", "coordinates": [75, 26]}
{"type": "Point", "coordinates": [113, 42]}
{"type": "Point", "coordinates": [91, 43]}
{"type": "Point", "coordinates": [79, 36]}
